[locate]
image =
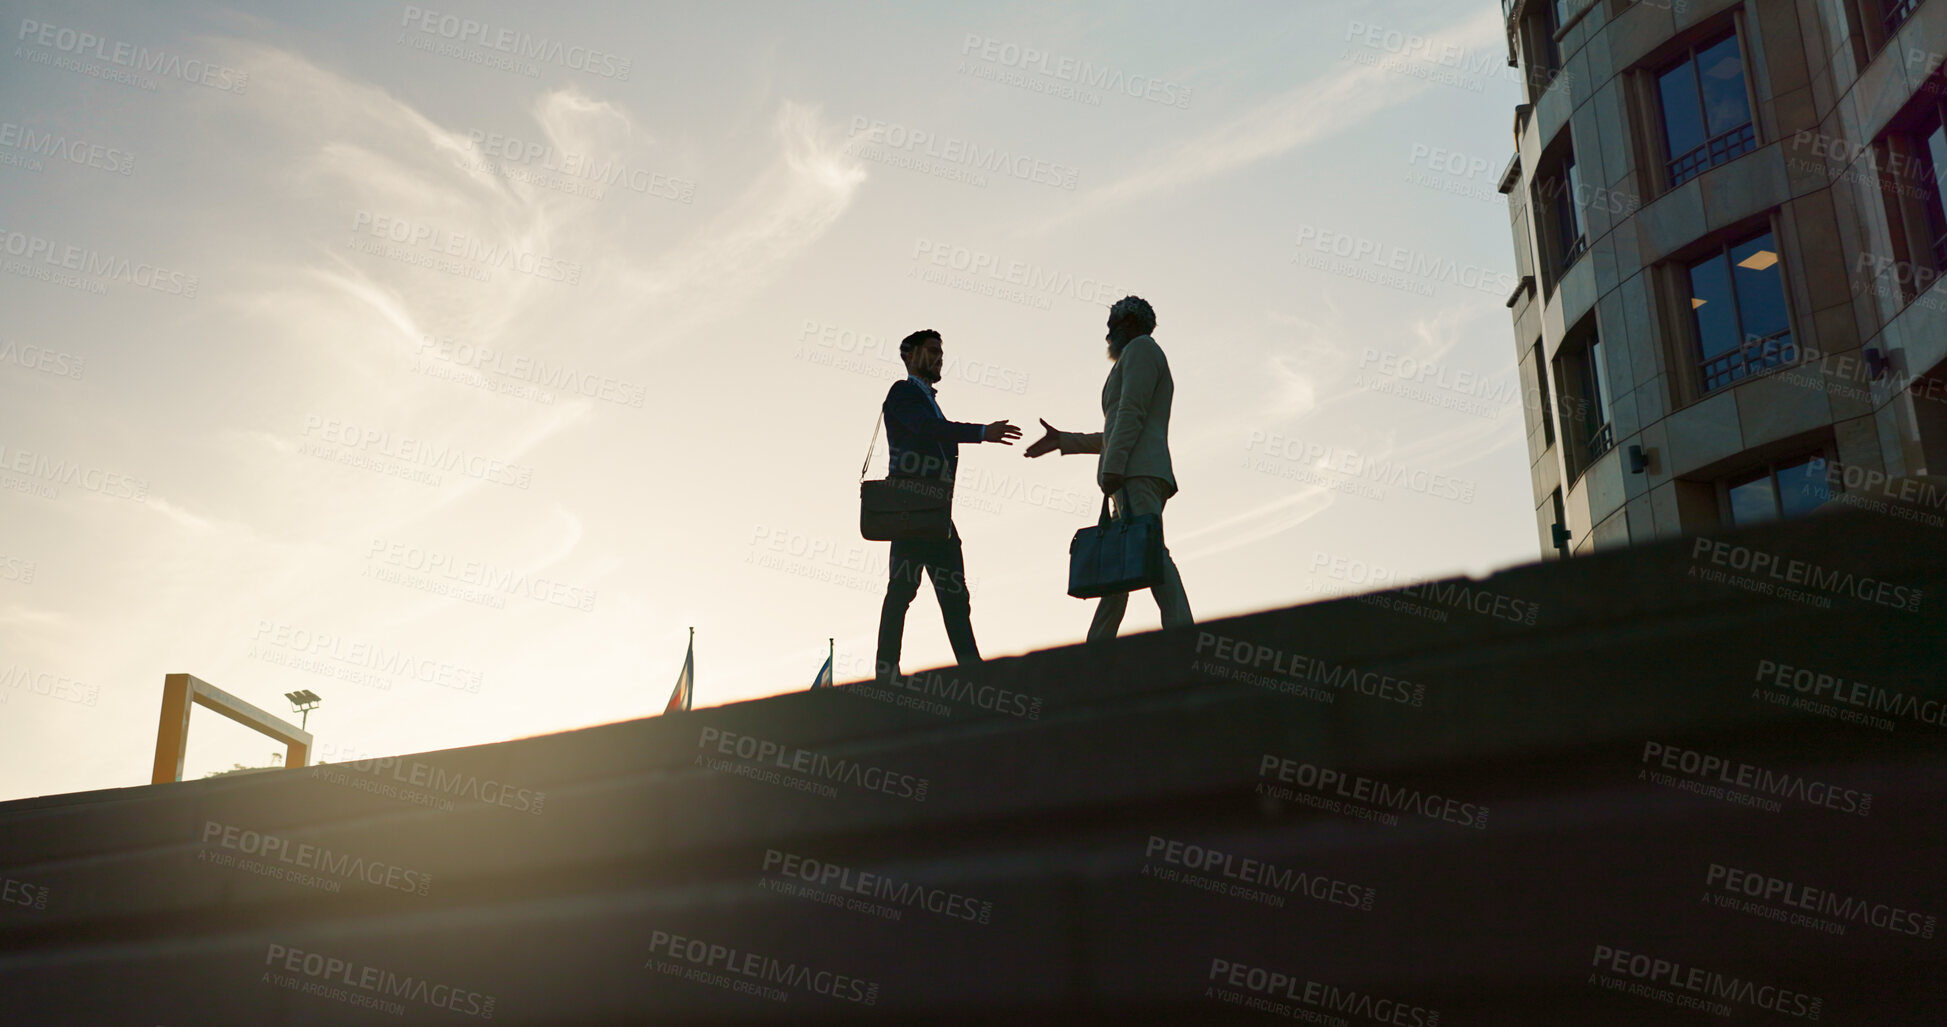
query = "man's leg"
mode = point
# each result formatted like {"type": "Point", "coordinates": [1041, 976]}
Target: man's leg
{"type": "Point", "coordinates": [1170, 599]}
{"type": "Point", "coordinates": [1110, 608]}
{"type": "Point", "coordinates": [1142, 496]}
{"type": "Point", "coordinates": [1108, 616]}
{"type": "Point", "coordinates": [902, 584]}
{"type": "Point", "coordinates": [947, 566]}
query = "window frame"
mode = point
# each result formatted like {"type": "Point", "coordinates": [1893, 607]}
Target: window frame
{"type": "Point", "coordinates": [1718, 247]}
{"type": "Point", "coordinates": [1541, 47]}
{"type": "Point", "coordinates": [1547, 408]}
{"type": "Point", "coordinates": [1893, 16]}
{"type": "Point", "coordinates": [1564, 549]}
{"type": "Point", "coordinates": [1583, 443]}
{"type": "Point", "coordinates": [1824, 450]}
{"type": "Point", "coordinates": [1552, 189]}
{"type": "Point", "coordinates": [1595, 379]}
{"type": "Point", "coordinates": [1933, 205]}
{"type": "Point", "coordinates": [1915, 207]}
{"type": "Point", "coordinates": [1652, 75]}
{"type": "Point", "coordinates": [1872, 24]}
{"type": "Point", "coordinates": [1566, 213]}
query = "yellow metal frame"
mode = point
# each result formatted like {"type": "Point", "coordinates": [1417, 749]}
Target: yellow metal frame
{"type": "Point", "coordinates": [181, 691]}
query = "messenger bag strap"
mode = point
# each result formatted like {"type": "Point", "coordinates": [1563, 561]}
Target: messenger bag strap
{"type": "Point", "coordinates": [870, 446]}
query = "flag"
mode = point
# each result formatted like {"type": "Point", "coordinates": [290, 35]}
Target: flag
{"type": "Point", "coordinates": [824, 678]}
{"type": "Point", "coordinates": [680, 698]}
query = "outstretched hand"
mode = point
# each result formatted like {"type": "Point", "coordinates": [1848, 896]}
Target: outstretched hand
{"type": "Point", "coordinates": [1001, 432]}
{"type": "Point", "coordinates": [1045, 444]}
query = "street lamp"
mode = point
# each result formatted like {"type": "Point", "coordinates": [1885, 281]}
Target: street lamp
{"type": "Point", "coordinates": [304, 702]}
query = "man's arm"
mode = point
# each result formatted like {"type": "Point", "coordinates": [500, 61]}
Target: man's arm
{"type": "Point", "coordinates": [1053, 438]}
{"type": "Point", "coordinates": [1131, 408]}
{"type": "Point", "coordinates": [907, 406]}
{"type": "Point", "coordinates": [1080, 442]}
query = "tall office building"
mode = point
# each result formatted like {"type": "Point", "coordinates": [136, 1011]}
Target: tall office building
{"type": "Point", "coordinates": [1727, 219]}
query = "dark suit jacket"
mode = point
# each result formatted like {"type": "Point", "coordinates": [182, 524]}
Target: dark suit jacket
{"type": "Point", "coordinates": [923, 444]}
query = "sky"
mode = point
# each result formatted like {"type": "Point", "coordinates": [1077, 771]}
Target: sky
{"type": "Point", "coordinates": [454, 361]}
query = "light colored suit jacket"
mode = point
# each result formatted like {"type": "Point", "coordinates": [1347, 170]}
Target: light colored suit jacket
{"type": "Point", "coordinates": [1135, 437]}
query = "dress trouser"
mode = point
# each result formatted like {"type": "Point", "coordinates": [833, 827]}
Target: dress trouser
{"type": "Point", "coordinates": [941, 559]}
{"type": "Point", "coordinates": [1142, 495]}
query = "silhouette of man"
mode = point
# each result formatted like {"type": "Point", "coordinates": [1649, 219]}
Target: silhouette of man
{"type": "Point", "coordinates": [925, 444]}
{"type": "Point", "coordinates": [1134, 469]}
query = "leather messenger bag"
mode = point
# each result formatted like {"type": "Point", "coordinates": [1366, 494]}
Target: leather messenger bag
{"type": "Point", "coordinates": [1120, 555]}
{"type": "Point", "coordinates": [896, 508]}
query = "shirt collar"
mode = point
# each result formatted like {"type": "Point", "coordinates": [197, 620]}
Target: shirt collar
{"type": "Point", "coordinates": [924, 384]}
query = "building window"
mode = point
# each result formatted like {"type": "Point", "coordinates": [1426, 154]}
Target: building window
{"type": "Point", "coordinates": [1558, 538]}
{"type": "Point", "coordinates": [1781, 490]}
{"type": "Point", "coordinates": [1895, 13]}
{"type": "Point", "coordinates": [1930, 160]}
{"type": "Point", "coordinates": [1597, 433]}
{"type": "Point", "coordinates": [1737, 311]}
{"type": "Point", "coordinates": [1871, 24]}
{"type": "Point", "coordinates": [1541, 398]}
{"type": "Point", "coordinates": [1912, 160]}
{"type": "Point", "coordinates": [1544, 55]}
{"type": "Point", "coordinates": [1569, 220]}
{"type": "Point", "coordinates": [1566, 226]}
{"type": "Point", "coordinates": [1925, 392]}
{"type": "Point", "coordinates": [1706, 110]}
{"type": "Point", "coordinates": [1586, 402]}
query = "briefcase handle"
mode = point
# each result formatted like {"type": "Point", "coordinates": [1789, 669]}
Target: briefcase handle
{"type": "Point", "coordinates": [1103, 521]}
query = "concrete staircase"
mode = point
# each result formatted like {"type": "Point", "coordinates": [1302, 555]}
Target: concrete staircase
{"type": "Point", "coordinates": [1572, 793]}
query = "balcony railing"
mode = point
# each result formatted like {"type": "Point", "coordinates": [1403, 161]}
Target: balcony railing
{"type": "Point", "coordinates": [1601, 441]}
{"type": "Point", "coordinates": [1735, 143]}
{"type": "Point", "coordinates": [1758, 353]}
{"type": "Point", "coordinates": [1571, 252]}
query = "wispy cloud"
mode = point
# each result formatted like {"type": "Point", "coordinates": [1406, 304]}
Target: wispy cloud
{"type": "Point", "coordinates": [775, 221]}
{"type": "Point", "coordinates": [1341, 99]}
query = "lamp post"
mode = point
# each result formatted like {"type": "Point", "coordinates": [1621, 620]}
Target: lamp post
{"type": "Point", "coordinates": [304, 702]}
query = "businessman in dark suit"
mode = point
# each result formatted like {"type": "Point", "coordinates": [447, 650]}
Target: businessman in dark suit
{"type": "Point", "coordinates": [925, 444]}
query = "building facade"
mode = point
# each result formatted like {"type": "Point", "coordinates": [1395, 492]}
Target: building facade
{"type": "Point", "coordinates": [1727, 224]}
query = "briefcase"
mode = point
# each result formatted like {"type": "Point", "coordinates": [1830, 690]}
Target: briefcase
{"type": "Point", "coordinates": [1121, 555]}
{"type": "Point", "coordinates": [896, 508]}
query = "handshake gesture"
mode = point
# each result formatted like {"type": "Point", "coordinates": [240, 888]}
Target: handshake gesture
{"type": "Point", "coordinates": [1005, 433]}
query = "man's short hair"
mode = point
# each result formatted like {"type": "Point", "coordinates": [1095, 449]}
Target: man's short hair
{"type": "Point", "coordinates": [906, 344]}
{"type": "Point", "coordinates": [1132, 316]}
